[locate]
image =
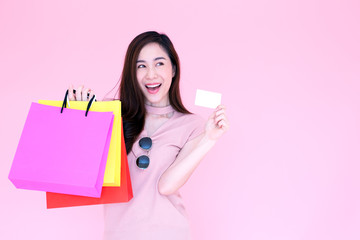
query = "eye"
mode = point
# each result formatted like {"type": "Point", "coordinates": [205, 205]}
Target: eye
{"type": "Point", "coordinates": [159, 64]}
{"type": "Point", "coordinates": [141, 66]}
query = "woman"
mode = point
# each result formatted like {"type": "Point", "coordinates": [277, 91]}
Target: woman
{"type": "Point", "coordinates": [164, 142]}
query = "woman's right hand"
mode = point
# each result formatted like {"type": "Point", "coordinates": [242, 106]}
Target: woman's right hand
{"type": "Point", "coordinates": [82, 94]}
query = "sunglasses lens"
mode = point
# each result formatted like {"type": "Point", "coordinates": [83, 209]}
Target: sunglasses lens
{"type": "Point", "coordinates": [143, 162]}
{"type": "Point", "coordinates": [145, 143]}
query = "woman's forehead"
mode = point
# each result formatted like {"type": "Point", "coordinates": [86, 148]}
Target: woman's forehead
{"type": "Point", "coordinates": [152, 51]}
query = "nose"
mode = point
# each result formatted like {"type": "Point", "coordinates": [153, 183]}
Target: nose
{"type": "Point", "coordinates": [151, 73]}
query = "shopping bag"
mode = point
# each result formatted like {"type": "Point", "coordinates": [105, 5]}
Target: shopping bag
{"type": "Point", "coordinates": [62, 150]}
{"type": "Point", "coordinates": [108, 195]}
{"type": "Point", "coordinates": [113, 164]}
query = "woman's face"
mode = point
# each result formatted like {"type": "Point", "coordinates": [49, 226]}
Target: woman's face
{"type": "Point", "coordinates": [154, 73]}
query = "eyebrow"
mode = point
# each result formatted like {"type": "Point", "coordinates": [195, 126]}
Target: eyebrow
{"type": "Point", "coordinates": [155, 59]}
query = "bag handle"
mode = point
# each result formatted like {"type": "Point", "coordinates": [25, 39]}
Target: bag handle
{"type": "Point", "coordinates": [67, 103]}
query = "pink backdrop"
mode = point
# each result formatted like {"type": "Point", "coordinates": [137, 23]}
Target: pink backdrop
{"type": "Point", "coordinates": [289, 74]}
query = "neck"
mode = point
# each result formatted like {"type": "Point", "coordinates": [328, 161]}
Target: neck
{"type": "Point", "coordinates": [162, 103]}
{"type": "Point", "coordinates": [158, 105]}
{"type": "Point", "coordinates": [159, 110]}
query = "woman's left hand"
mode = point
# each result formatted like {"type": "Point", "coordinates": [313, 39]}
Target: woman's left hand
{"type": "Point", "coordinates": [217, 124]}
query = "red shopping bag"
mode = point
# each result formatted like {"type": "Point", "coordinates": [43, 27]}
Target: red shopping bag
{"type": "Point", "coordinates": [62, 150]}
{"type": "Point", "coordinates": [109, 194]}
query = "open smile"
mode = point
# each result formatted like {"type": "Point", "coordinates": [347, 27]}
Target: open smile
{"type": "Point", "coordinates": [153, 88]}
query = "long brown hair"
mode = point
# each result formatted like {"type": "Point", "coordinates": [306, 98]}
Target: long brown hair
{"type": "Point", "coordinates": [131, 97]}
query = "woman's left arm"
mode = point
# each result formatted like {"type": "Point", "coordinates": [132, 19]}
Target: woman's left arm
{"type": "Point", "coordinates": [193, 152]}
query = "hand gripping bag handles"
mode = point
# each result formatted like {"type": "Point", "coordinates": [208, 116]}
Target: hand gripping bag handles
{"type": "Point", "coordinates": [63, 150]}
{"type": "Point", "coordinates": [120, 194]}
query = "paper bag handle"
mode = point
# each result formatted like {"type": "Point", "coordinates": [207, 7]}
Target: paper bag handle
{"type": "Point", "coordinates": [66, 101]}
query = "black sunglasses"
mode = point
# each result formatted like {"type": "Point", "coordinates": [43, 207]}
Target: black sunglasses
{"type": "Point", "coordinates": [143, 161]}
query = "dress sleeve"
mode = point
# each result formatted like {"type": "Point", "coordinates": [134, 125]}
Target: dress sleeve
{"type": "Point", "coordinates": [197, 126]}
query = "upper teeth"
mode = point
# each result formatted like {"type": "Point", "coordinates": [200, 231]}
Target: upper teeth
{"type": "Point", "coordinates": [153, 86]}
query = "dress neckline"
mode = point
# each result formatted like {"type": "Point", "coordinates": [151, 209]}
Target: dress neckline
{"type": "Point", "coordinates": [159, 110]}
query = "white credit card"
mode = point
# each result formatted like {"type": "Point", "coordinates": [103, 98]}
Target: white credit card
{"type": "Point", "coordinates": [207, 99]}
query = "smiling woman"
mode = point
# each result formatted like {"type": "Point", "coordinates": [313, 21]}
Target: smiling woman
{"type": "Point", "coordinates": [164, 143]}
{"type": "Point", "coordinates": [143, 68]}
{"type": "Point", "coordinates": [154, 74]}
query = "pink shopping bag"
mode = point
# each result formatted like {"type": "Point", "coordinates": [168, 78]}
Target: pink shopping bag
{"type": "Point", "coordinates": [62, 152]}
{"type": "Point", "coordinates": [120, 194]}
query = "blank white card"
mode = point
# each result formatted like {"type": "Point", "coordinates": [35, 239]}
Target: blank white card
{"type": "Point", "coordinates": [207, 99]}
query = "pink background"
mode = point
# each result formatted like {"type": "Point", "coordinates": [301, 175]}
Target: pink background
{"type": "Point", "coordinates": [289, 74]}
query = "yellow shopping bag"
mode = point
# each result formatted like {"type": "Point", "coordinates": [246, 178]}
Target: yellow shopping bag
{"type": "Point", "coordinates": [113, 164]}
